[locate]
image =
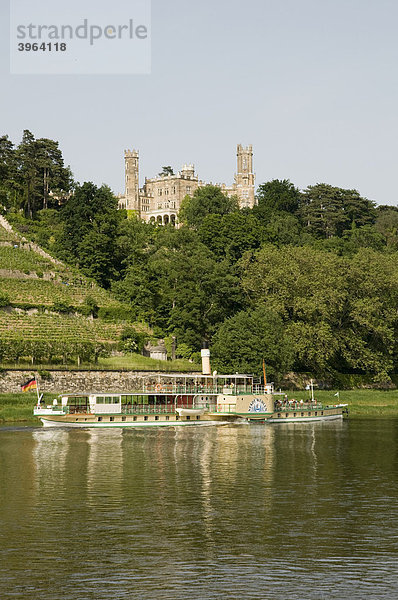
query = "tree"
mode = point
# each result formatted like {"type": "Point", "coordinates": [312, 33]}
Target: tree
{"type": "Point", "coordinates": [40, 173]}
{"type": "Point", "coordinates": [277, 196]}
{"type": "Point", "coordinates": [207, 200]}
{"type": "Point", "coordinates": [8, 172]}
{"type": "Point", "coordinates": [90, 226]}
{"type": "Point", "coordinates": [327, 211]}
{"type": "Point", "coordinates": [387, 225]}
{"type": "Point", "coordinates": [229, 236]}
{"type": "Point", "coordinates": [166, 172]}
{"type": "Point", "coordinates": [244, 340]}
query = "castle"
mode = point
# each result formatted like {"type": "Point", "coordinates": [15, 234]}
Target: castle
{"type": "Point", "coordinates": [160, 198]}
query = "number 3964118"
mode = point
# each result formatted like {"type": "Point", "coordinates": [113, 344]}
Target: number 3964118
{"type": "Point", "coordinates": [44, 47]}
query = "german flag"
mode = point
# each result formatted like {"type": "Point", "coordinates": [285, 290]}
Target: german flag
{"type": "Point", "coordinates": [29, 385]}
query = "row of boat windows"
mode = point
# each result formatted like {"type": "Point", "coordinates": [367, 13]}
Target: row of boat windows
{"type": "Point", "coordinates": [146, 418]}
{"type": "Point", "coordinates": [301, 414]}
{"type": "Point", "coordinates": [108, 400]}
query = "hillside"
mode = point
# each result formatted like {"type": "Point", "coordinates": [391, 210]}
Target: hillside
{"type": "Point", "coordinates": [47, 309]}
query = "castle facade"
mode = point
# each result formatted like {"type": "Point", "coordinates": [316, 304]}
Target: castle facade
{"type": "Point", "coordinates": [160, 198]}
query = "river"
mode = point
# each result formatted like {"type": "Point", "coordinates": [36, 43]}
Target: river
{"type": "Point", "coordinates": [297, 511]}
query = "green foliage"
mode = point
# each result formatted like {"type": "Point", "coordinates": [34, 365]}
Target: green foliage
{"type": "Point", "coordinates": [327, 211]}
{"type": "Point", "coordinates": [115, 313]}
{"type": "Point", "coordinates": [90, 225]}
{"type": "Point", "coordinates": [4, 299]}
{"type": "Point", "coordinates": [91, 307]}
{"type": "Point", "coordinates": [207, 200]}
{"type": "Point", "coordinates": [277, 196]}
{"type": "Point", "coordinates": [166, 171]}
{"type": "Point", "coordinates": [62, 307]}
{"type": "Point", "coordinates": [244, 340]}
{"type": "Point", "coordinates": [387, 226]}
{"type": "Point", "coordinates": [45, 375]}
{"type": "Point", "coordinates": [184, 351]}
{"type": "Point", "coordinates": [338, 312]}
{"type": "Point", "coordinates": [22, 259]}
{"type": "Point", "coordinates": [131, 340]}
{"type": "Point", "coordinates": [33, 175]}
{"type": "Point", "coordinates": [229, 236]}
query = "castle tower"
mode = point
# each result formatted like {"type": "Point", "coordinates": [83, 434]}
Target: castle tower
{"type": "Point", "coordinates": [132, 196]}
{"type": "Point", "coordinates": [244, 179]}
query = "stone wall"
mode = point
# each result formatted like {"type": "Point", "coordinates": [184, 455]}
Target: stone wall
{"type": "Point", "coordinates": [80, 381]}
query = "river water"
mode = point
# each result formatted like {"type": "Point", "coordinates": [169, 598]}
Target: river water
{"type": "Point", "coordinates": [291, 511]}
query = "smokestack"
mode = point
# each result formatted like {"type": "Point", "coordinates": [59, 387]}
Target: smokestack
{"type": "Point", "coordinates": [205, 353]}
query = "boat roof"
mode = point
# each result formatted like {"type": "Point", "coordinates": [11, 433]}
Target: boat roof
{"type": "Point", "coordinates": [157, 377]}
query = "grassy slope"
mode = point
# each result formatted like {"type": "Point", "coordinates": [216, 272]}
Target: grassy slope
{"type": "Point", "coordinates": [31, 280]}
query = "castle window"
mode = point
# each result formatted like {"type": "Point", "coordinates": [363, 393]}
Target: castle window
{"type": "Point", "coordinates": [188, 189]}
{"type": "Point", "coordinates": [174, 190]}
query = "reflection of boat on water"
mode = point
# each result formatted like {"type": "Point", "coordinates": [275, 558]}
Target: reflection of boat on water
{"type": "Point", "coordinates": [184, 400]}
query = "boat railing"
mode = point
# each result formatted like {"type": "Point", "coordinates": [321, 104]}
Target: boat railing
{"type": "Point", "coordinates": [202, 389]}
{"type": "Point", "coordinates": [141, 409]}
{"type": "Point", "coordinates": [53, 408]}
{"type": "Point", "coordinates": [294, 406]}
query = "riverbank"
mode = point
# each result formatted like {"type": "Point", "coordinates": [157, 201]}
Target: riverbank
{"type": "Point", "coordinates": [18, 408]}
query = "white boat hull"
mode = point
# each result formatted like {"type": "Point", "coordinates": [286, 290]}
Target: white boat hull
{"type": "Point", "coordinates": [304, 419]}
{"type": "Point", "coordinates": [118, 424]}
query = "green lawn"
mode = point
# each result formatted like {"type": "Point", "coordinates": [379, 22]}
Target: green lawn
{"type": "Point", "coordinates": [137, 362]}
{"type": "Point", "coordinates": [128, 362]}
{"type": "Point", "coordinates": [16, 408]}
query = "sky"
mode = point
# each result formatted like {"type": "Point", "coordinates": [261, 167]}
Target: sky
{"type": "Point", "coordinates": [311, 84]}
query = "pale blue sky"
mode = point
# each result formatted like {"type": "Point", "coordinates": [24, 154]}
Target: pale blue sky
{"type": "Point", "coordinates": [312, 84]}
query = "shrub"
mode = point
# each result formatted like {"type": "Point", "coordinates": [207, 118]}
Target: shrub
{"type": "Point", "coordinates": [131, 340]}
{"type": "Point", "coordinates": [62, 307]}
{"type": "Point", "coordinates": [115, 313]}
{"type": "Point", "coordinates": [90, 307]}
{"type": "Point", "coordinates": [4, 299]}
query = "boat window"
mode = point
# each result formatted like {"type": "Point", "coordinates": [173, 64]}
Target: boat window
{"type": "Point", "coordinates": [279, 415]}
{"type": "Point", "coordinates": [127, 399]}
{"type": "Point", "coordinates": [197, 417]}
{"type": "Point", "coordinates": [156, 418]}
{"type": "Point", "coordinates": [188, 418]}
{"type": "Point", "coordinates": [287, 414]}
{"type": "Point", "coordinates": [99, 419]}
{"type": "Point", "coordinates": [322, 413]}
{"type": "Point", "coordinates": [134, 418]}
{"type": "Point", "coordinates": [145, 418]}
{"type": "Point", "coordinates": [123, 418]}
{"type": "Point", "coordinates": [316, 414]}
{"type": "Point", "coordinates": [309, 414]}
{"type": "Point", "coordinates": [177, 417]}
{"type": "Point", "coordinates": [294, 414]}
{"type": "Point", "coordinates": [167, 417]}
{"type": "Point", "coordinates": [111, 418]}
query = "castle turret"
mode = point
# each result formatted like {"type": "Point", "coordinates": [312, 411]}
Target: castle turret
{"type": "Point", "coordinates": [188, 171]}
{"type": "Point", "coordinates": [244, 179]}
{"type": "Point", "coordinates": [132, 197]}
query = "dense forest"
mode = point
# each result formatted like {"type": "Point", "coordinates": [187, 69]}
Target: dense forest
{"type": "Point", "coordinates": [307, 280]}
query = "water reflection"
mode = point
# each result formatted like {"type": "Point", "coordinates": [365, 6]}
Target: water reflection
{"type": "Point", "coordinates": [286, 511]}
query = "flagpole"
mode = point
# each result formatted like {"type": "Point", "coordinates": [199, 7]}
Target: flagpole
{"type": "Point", "coordinates": [37, 390]}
